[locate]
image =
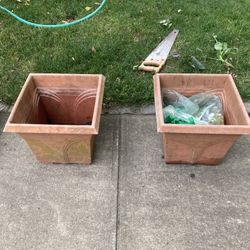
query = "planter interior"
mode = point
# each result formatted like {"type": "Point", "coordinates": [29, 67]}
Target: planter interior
{"type": "Point", "coordinates": [58, 115]}
{"type": "Point", "coordinates": [200, 144]}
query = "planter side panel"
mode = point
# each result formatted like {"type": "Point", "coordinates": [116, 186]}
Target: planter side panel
{"type": "Point", "coordinates": [66, 80]}
{"type": "Point", "coordinates": [196, 148]}
{"type": "Point", "coordinates": [235, 111]}
{"type": "Point", "coordinates": [52, 148]}
{"type": "Point", "coordinates": [193, 83]}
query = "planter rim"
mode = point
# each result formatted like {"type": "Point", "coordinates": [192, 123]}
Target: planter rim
{"type": "Point", "coordinates": [23, 128]}
{"type": "Point", "coordinates": [50, 129]}
{"type": "Point", "coordinates": [192, 74]}
{"type": "Point", "coordinates": [205, 129]}
{"type": "Point", "coordinates": [196, 129]}
{"type": "Point", "coordinates": [62, 74]}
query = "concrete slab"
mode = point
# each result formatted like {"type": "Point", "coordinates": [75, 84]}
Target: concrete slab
{"type": "Point", "coordinates": [59, 206]}
{"type": "Point", "coordinates": [179, 206]}
{"type": "Point", "coordinates": [159, 206]}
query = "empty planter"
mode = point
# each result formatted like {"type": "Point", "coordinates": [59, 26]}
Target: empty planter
{"type": "Point", "coordinates": [201, 144]}
{"type": "Point", "coordinates": [58, 115]}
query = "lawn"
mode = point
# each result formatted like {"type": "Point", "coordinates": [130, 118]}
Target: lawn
{"type": "Point", "coordinates": [119, 38]}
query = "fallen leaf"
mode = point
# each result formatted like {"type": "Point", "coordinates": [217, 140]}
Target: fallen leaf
{"type": "Point", "coordinates": [93, 49]}
{"type": "Point", "coordinates": [88, 8]}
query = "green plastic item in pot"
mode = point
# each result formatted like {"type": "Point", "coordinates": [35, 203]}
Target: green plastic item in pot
{"type": "Point", "coordinates": [174, 115]}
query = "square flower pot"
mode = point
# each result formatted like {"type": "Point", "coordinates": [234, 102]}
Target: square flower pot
{"type": "Point", "coordinates": [200, 144]}
{"type": "Point", "coordinates": [58, 115]}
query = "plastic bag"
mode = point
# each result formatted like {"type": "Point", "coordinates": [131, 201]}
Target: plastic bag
{"type": "Point", "coordinates": [179, 101]}
{"type": "Point", "coordinates": [210, 108]}
{"type": "Point", "coordinates": [202, 108]}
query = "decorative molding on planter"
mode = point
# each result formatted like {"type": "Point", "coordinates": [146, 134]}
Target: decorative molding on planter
{"type": "Point", "coordinates": [58, 104]}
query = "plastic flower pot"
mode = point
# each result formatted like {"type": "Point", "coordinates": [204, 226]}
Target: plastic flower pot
{"type": "Point", "coordinates": [201, 144]}
{"type": "Point", "coordinates": [58, 115]}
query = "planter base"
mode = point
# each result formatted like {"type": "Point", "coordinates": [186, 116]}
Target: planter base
{"type": "Point", "coordinates": [196, 149]}
{"type": "Point", "coordinates": [61, 149]}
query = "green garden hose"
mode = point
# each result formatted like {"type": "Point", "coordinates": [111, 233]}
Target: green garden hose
{"type": "Point", "coordinates": [92, 14]}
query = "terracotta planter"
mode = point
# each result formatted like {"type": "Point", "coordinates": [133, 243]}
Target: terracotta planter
{"type": "Point", "coordinates": [58, 115]}
{"type": "Point", "coordinates": [201, 144]}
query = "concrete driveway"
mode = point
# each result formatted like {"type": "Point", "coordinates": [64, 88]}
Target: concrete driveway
{"type": "Point", "coordinates": [127, 199]}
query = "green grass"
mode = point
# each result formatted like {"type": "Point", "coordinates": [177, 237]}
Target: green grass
{"type": "Point", "coordinates": [123, 34]}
